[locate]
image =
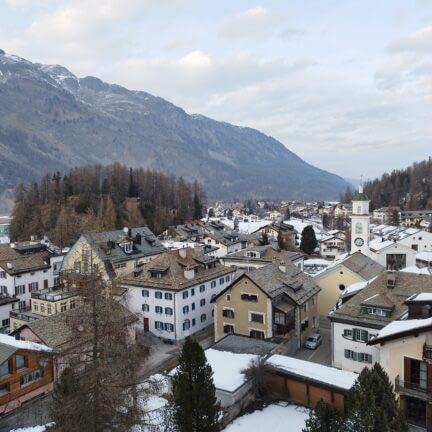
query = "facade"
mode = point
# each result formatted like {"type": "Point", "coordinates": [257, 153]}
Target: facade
{"type": "Point", "coordinates": [275, 300]}
{"type": "Point", "coordinates": [384, 214]}
{"type": "Point", "coordinates": [26, 372]}
{"type": "Point", "coordinates": [360, 221]}
{"type": "Point", "coordinates": [333, 245]}
{"type": "Point", "coordinates": [172, 294]}
{"type": "Point", "coordinates": [255, 257]}
{"type": "Point", "coordinates": [112, 253]}
{"type": "Point", "coordinates": [391, 254]}
{"type": "Point", "coordinates": [414, 238]}
{"type": "Point", "coordinates": [358, 321]}
{"type": "Point", "coordinates": [345, 271]}
{"type": "Point", "coordinates": [410, 218]}
{"type": "Point", "coordinates": [27, 267]}
{"type": "Point", "coordinates": [7, 304]}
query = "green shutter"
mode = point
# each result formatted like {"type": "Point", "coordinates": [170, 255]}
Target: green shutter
{"type": "Point", "coordinates": [370, 358]}
{"type": "Point", "coordinates": [354, 355]}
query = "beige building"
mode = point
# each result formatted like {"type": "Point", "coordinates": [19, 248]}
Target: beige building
{"type": "Point", "coordinates": [343, 272]}
{"type": "Point", "coordinates": [112, 253]}
{"type": "Point", "coordinates": [275, 300]}
{"type": "Point", "coordinates": [406, 355]}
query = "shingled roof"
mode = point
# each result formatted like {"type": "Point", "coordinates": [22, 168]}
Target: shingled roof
{"type": "Point", "coordinates": [267, 253]}
{"type": "Point", "coordinates": [15, 261]}
{"type": "Point", "coordinates": [380, 294]}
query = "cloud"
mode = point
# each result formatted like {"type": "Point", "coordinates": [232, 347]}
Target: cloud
{"type": "Point", "coordinates": [254, 23]}
{"type": "Point", "coordinates": [419, 41]}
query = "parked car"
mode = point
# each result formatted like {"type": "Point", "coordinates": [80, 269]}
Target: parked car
{"type": "Point", "coordinates": [313, 341]}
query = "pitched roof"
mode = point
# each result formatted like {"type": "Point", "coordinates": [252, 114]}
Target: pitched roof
{"type": "Point", "coordinates": [171, 266]}
{"type": "Point", "coordinates": [377, 294]}
{"type": "Point", "coordinates": [106, 244]}
{"type": "Point", "coordinates": [267, 253]}
{"type": "Point", "coordinates": [9, 345]}
{"type": "Point", "coordinates": [15, 262]}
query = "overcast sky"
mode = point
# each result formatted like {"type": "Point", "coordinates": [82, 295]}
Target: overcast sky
{"type": "Point", "coordinates": [345, 84]}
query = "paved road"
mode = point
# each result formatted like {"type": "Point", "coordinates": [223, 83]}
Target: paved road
{"type": "Point", "coordinates": [322, 354]}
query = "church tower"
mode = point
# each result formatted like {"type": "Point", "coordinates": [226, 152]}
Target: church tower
{"type": "Point", "coordinates": [360, 221]}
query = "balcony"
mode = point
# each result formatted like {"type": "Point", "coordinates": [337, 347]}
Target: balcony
{"type": "Point", "coordinates": [54, 294]}
{"type": "Point", "coordinates": [282, 329]}
{"type": "Point", "coordinates": [413, 389]}
{"type": "Point", "coordinates": [427, 352]}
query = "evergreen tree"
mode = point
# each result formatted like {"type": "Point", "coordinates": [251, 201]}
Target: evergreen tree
{"type": "Point", "coordinates": [194, 407]}
{"type": "Point", "coordinates": [308, 241]}
{"type": "Point", "coordinates": [287, 214]}
{"type": "Point", "coordinates": [326, 220]}
{"type": "Point", "coordinates": [281, 240]}
{"type": "Point", "coordinates": [394, 218]}
{"type": "Point", "coordinates": [324, 418]}
{"type": "Point", "coordinates": [372, 404]}
{"type": "Point", "coordinates": [264, 239]}
{"type": "Point", "coordinates": [260, 373]}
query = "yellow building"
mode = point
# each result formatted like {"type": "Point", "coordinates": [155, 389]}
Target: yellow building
{"type": "Point", "coordinates": [334, 279]}
{"type": "Point", "coordinates": [406, 355]}
{"type": "Point", "coordinates": [275, 300]}
{"type": "Point", "coordinates": [44, 303]}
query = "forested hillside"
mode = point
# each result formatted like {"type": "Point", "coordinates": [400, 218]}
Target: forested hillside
{"type": "Point", "coordinates": [98, 198]}
{"type": "Point", "coordinates": [409, 188]}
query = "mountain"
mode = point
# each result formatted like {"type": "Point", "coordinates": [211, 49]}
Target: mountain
{"type": "Point", "coordinates": [52, 120]}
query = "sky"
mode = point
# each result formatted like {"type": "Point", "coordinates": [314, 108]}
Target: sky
{"type": "Point", "coordinates": [345, 84]}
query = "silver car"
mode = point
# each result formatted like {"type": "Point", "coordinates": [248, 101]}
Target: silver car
{"type": "Point", "coordinates": [313, 341]}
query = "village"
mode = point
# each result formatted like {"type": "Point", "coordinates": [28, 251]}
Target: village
{"type": "Point", "coordinates": [318, 291]}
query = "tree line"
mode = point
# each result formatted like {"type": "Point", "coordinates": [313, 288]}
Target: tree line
{"type": "Point", "coordinates": [100, 198]}
{"type": "Point", "coordinates": [410, 188]}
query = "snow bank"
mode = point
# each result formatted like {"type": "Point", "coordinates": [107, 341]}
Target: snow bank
{"type": "Point", "coordinates": [274, 418]}
{"type": "Point", "coordinates": [32, 428]}
{"type": "Point", "coordinates": [314, 371]}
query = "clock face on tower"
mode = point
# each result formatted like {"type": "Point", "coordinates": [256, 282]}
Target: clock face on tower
{"type": "Point", "coordinates": [359, 241]}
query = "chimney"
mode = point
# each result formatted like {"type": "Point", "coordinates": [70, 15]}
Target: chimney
{"type": "Point", "coordinates": [391, 279]}
{"type": "Point", "coordinates": [138, 238]}
{"type": "Point", "coordinates": [182, 253]}
{"type": "Point", "coordinates": [189, 273]}
{"type": "Point", "coordinates": [9, 266]}
{"type": "Point", "coordinates": [282, 266]}
{"type": "Point", "coordinates": [125, 230]}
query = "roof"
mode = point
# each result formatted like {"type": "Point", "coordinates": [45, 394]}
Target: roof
{"type": "Point", "coordinates": [377, 294]}
{"type": "Point", "coordinates": [357, 263]}
{"type": "Point", "coordinates": [244, 345]}
{"type": "Point", "coordinates": [292, 283]}
{"type": "Point", "coordinates": [398, 329]}
{"type": "Point", "coordinates": [424, 256]}
{"type": "Point", "coordinates": [106, 244]}
{"type": "Point", "coordinates": [360, 196]}
{"type": "Point", "coordinates": [9, 345]}
{"type": "Point", "coordinates": [315, 372]}
{"type": "Point", "coordinates": [267, 253]}
{"type": "Point", "coordinates": [173, 277]}
{"type": "Point", "coordinates": [13, 262]}
{"type": "Point", "coordinates": [58, 332]}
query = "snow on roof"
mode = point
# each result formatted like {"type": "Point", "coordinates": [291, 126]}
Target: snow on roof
{"type": "Point", "coordinates": [417, 270]}
{"type": "Point", "coordinates": [421, 297]}
{"type": "Point", "coordinates": [275, 418]}
{"type": "Point", "coordinates": [424, 256]}
{"type": "Point", "coordinates": [11, 341]}
{"type": "Point", "coordinates": [227, 367]}
{"type": "Point", "coordinates": [396, 327]}
{"type": "Point", "coordinates": [378, 244]}
{"type": "Point", "coordinates": [173, 245]}
{"type": "Point", "coordinates": [356, 287]}
{"type": "Point", "coordinates": [314, 371]}
{"type": "Point", "coordinates": [33, 428]}
{"type": "Point", "coordinates": [317, 262]}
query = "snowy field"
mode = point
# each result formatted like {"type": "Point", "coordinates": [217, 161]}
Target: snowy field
{"type": "Point", "coordinates": [274, 418]}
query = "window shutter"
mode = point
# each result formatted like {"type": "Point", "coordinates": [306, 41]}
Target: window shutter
{"type": "Point", "coordinates": [346, 353]}
{"type": "Point", "coordinates": [370, 358]}
{"type": "Point", "coordinates": [354, 336]}
{"type": "Point", "coordinates": [407, 369]}
{"type": "Point", "coordinates": [354, 355]}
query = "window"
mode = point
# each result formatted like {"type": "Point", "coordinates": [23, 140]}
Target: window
{"type": "Point", "coordinates": [193, 322]}
{"type": "Point", "coordinates": [158, 309]}
{"type": "Point", "coordinates": [193, 306]}
{"type": "Point", "coordinates": [3, 289]}
{"type": "Point", "coordinates": [228, 313]}
{"type": "Point", "coordinates": [360, 357]}
{"type": "Point", "coordinates": [185, 309]}
{"type": "Point", "coordinates": [213, 284]}
{"type": "Point", "coordinates": [203, 317]}
{"type": "Point", "coordinates": [158, 294]}
{"type": "Point", "coordinates": [145, 307]}
{"type": "Point", "coordinates": [5, 322]}
{"type": "Point", "coordinates": [22, 304]}
{"type": "Point", "coordinates": [72, 304]}
{"type": "Point", "coordinates": [256, 334]}
{"type": "Point", "coordinates": [49, 309]}
{"type": "Point", "coordinates": [20, 289]}
{"type": "Point", "coordinates": [77, 266]}
{"type": "Point", "coordinates": [347, 333]}
{"type": "Point", "coordinates": [42, 307]}
{"type": "Point", "coordinates": [186, 324]}
{"type": "Point", "coordinates": [169, 327]}
{"type": "Point", "coordinates": [33, 286]}
{"type": "Point", "coordinates": [249, 297]}
{"type": "Point", "coordinates": [5, 368]}
{"type": "Point", "coordinates": [4, 389]}
{"type": "Point", "coordinates": [168, 311]}
{"type": "Point", "coordinates": [202, 302]}
{"type": "Point", "coordinates": [185, 294]}
{"type": "Point", "coordinates": [192, 291]}
{"type": "Point", "coordinates": [168, 296]}
{"type": "Point", "coordinates": [31, 377]}
{"type": "Point", "coordinates": [128, 247]}
{"type": "Point", "coordinates": [227, 278]}
{"type": "Point", "coordinates": [145, 293]}
{"type": "Point", "coordinates": [305, 307]}
{"type": "Point", "coordinates": [314, 300]}
{"type": "Point", "coordinates": [202, 288]}
{"type": "Point", "coordinates": [21, 362]}
{"type": "Point", "coordinates": [2, 274]}
{"type": "Point", "coordinates": [159, 325]}
{"type": "Point", "coordinates": [228, 297]}
{"type": "Point", "coordinates": [228, 328]}
{"type": "Point", "coordinates": [258, 318]}
{"type": "Point", "coordinates": [221, 281]}
{"type": "Point", "coordinates": [36, 306]}
{"type": "Point", "coordinates": [63, 307]}
{"type": "Point", "coordinates": [358, 228]}
{"type": "Point", "coordinates": [359, 335]}
{"type": "Point", "coordinates": [377, 311]}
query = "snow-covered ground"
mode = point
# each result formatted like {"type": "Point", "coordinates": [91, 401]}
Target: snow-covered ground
{"type": "Point", "coordinates": [31, 429]}
{"type": "Point", "coordinates": [274, 418]}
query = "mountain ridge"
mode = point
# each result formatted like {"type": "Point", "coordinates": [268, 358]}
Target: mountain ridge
{"type": "Point", "coordinates": [50, 118]}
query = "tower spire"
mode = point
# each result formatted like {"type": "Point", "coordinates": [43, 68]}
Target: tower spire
{"type": "Point", "coordinates": [361, 184]}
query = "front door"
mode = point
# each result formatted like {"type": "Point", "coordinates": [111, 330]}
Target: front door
{"type": "Point", "coordinates": [46, 283]}
{"type": "Point", "coordinates": [146, 324]}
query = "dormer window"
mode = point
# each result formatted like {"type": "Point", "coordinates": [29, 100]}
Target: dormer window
{"type": "Point", "coordinates": [128, 247]}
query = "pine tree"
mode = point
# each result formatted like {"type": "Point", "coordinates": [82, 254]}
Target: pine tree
{"type": "Point", "coordinates": [308, 241]}
{"type": "Point", "coordinates": [264, 239]}
{"type": "Point", "coordinates": [372, 404]}
{"type": "Point", "coordinates": [194, 407]}
{"type": "Point", "coordinates": [324, 418]}
{"type": "Point", "coordinates": [281, 240]}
